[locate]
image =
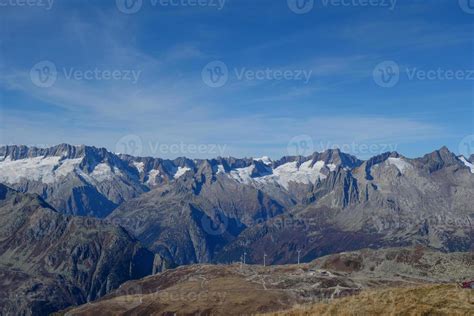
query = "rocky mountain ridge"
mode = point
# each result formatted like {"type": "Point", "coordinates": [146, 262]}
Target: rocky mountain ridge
{"type": "Point", "coordinates": [194, 211]}
{"type": "Point", "coordinates": [385, 202]}
{"type": "Point", "coordinates": [84, 180]}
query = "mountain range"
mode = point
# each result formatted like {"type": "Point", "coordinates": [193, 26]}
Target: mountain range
{"type": "Point", "coordinates": [116, 217]}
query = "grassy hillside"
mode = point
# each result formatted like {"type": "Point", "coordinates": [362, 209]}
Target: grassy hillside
{"type": "Point", "coordinates": [423, 300]}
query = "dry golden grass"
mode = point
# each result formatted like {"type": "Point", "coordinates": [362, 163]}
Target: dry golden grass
{"type": "Point", "coordinates": [219, 296]}
{"type": "Point", "coordinates": [423, 300]}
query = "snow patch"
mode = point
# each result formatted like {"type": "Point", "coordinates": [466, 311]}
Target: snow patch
{"type": "Point", "coordinates": [332, 167]}
{"type": "Point", "coordinates": [305, 173]}
{"type": "Point", "coordinates": [152, 175]}
{"type": "Point", "coordinates": [49, 170]}
{"type": "Point", "coordinates": [266, 160]}
{"type": "Point", "coordinates": [284, 174]}
{"type": "Point", "coordinates": [41, 169]}
{"type": "Point", "coordinates": [102, 172]}
{"type": "Point", "coordinates": [67, 166]}
{"type": "Point", "coordinates": [467, 163]}
{"type": "Point", "coordinates": [400, 163]}
{"type": "Point", "coordinates": [140, 166]}
{"type": "Point", "coordinates": [243, 175]}
{"type": "Point", "coordinates": [220, 169]}
{"type": "Point", "coordinates": [181, 171]}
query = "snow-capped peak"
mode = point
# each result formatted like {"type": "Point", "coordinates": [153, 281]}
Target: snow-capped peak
{"type": "Point", "coordinates": [304, 173]}
{"type": "Point", "coordinates": [42, 169]}
{"type": "Point", "coordinates": [265, 159]}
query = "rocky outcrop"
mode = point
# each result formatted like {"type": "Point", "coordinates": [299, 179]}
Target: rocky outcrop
{"type": "Point", "coordinates": [437, 160]}
{"type": "Point", "coordinates": [190, 220]}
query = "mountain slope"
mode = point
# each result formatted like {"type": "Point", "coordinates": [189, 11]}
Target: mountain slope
{"type": "Point", "coordinates": [190, 220]}
{"type": "Point", "coordinates": [49, 261]}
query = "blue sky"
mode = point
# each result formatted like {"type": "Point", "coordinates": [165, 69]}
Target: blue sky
{"type": "Point", "coordinates": [161, 54]}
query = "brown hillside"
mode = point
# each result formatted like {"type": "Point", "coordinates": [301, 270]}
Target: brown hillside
{"type": "Point", "coordinates": [423, 300]}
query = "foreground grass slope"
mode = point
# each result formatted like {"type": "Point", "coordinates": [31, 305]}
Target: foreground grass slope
{"type": "Point", "coordinates": [422, 300]}
{"type": "Point", "coordinates": [253, 289]}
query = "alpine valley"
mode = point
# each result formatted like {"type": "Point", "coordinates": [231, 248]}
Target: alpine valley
{"type": "Point", "coordinates": [78, 221]}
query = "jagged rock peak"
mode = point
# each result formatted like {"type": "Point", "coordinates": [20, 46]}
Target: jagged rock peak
{"type": "Point", "coordinates": [377, 160]}
{"type": "Point", "coordinates": [438, 159]}
{"type": "Point", "coordinates": [67, 151]}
